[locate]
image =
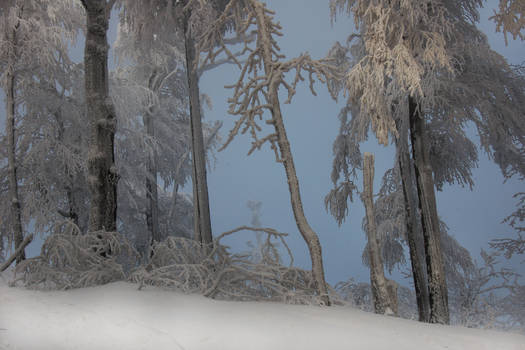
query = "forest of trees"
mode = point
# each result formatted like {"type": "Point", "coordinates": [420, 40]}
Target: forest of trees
{"type": "Point", "coordinates": [93, 160]}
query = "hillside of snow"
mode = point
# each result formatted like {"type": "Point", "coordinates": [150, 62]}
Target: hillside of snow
{"type": "Point", "coordinates": [119, 316]}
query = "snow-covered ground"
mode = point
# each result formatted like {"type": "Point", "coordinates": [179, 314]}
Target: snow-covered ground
{"type": "Point", "coordinates": [118, 316]}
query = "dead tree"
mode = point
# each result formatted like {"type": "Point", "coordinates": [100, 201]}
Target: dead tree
{"type": "Point", "coordinates": [383, 291]}
{"type": "Point", "coordinates": [256, 92]}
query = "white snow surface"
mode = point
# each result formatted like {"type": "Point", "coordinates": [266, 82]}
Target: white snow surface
{"type": "Point", "coordinates": [119, 316]}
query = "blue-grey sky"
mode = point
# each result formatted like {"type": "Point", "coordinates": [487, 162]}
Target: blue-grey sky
{"type": "Point", "coordinates": [473, 217]}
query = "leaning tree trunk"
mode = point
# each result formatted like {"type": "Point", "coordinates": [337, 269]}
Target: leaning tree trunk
{"type": "Point", "coordinates": [201, 206]}
{"type": "Point", "coordinates": [16, 215]}
{"type": "Point", "coordinates": [102, 172]}
{"type": "Point", "coordinates": [384, 303]}
{"type": "Point", "coordinates": [309, 235]}
{"type": "Point", "coordinates": [437, 288]}
{"type": "Point", "coordinates": [152, 210]}
{"type": "Point", "coordinates": [413, 232]}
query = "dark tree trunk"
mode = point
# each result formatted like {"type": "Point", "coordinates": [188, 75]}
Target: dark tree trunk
{"type": "Point", "coordinates": [16, 215]}
{"type": "Point", "coordinates": [173, 211]}
{"type": "Point", "coordinates": [152, 211]}
{"type": "Point", "coordinates": [309, 235]}
{"type": "Point", "coordinates": [384, 303]}
{"type": "Point", "coordinates": [202, 222]}
{"type": "Point", "coordinates": [437, 288]}
{"type": "Point", "coordinates": [413, 233]}
{"type": "Point", "coordinates": [172, 218]}
{"type": "Point", "coordinates": [73, 210]}
{"type": "Point", "coordinates": [102, 173]}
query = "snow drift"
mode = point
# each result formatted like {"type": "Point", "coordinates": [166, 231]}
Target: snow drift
{"type": "Point", "coordinates": [118, 315]}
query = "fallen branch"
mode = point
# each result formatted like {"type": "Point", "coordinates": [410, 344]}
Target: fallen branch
{"type": "Point", "coordinates": [9, 261]}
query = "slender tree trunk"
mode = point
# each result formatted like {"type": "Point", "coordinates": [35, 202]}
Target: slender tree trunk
{"type": "Point", "coordinates": [384, 303]}
{"type": "Point", "coordinates": [102, 172]}
{"type": "Point", "coordinates": [172, 219]}
{"type": "Point", "coordinates": [72, 212]}
{"type": "Point", "coordinates": [309, 235]}
{"type": "Point", "coordinates": [414, 239]}
{"type": "Point", "coordinates": [202, 222]}
{"type": "Point", "coordinates": [152, 211]}
{"type": "Point", "coordinates": [174, 195]}
{"type": "Point", "coordinates": [16, 214]}
{"type": "Point", "coordinates": [437, 288]}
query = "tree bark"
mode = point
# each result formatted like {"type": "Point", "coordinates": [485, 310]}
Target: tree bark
{"type": "Point", "coordinates": [102, 172]}
{"type": "Point", "coordinates": [152, 211]}
{"type": "Point", "coordinates": [308, 234]}
{"type": "Point", "coordinates": [413, 231]}
{"type": "Point", "coordinates": [384, 303]}
{"type": "Point", "coordinates": [202, 221]}
{"type": "Point", "coordinates": [16, 214]}
{"type": "Point", "coordinates": [72, 212]}
{"type": "Point", "coordinates": [437, 288]}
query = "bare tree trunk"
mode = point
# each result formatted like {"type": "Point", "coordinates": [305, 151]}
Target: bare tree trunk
{"type": "Point", "coordinates": [437, 288]}
{"type": "Point", "coordinates": [414, 239]}
{"type": "Point", "coordinates": [16, 214]}
{"type": "Point", "coordinates": [102, 172]}
{"type": "Point", "coordinates": [172, 219]}
{"type": "Point", "coordinates": [152, 211]}
{"type": "Point", "coordinates": [384, 303]}
{"type": "Point", "coordinates": [202, 222]}
{"type": "Point", "coordinates": [309, 235]}
{"type": "Point", "coordinates": [173, 210]}
{"type": "Point", "coordinates": [72, 211]}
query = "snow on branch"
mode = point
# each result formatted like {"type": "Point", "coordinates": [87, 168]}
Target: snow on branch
{"type": "Point", "coordinates": [186, 265]}
{"type": "Point", "coordinates": [511, 246]}
{"type": "Point", "coordinates": [69, 259]}
{"type": "Point", "coordinates": [250, 98]}
{"type": "Point", "coordinates": [510, 19]}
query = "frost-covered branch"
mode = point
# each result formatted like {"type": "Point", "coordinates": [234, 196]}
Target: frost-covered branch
{"type": "Point", "coordinates": [510, 19]}
{"type": "Point", "coordinates": [188, 266]}
{"type": "Point", "coordinates": [70, 259]}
